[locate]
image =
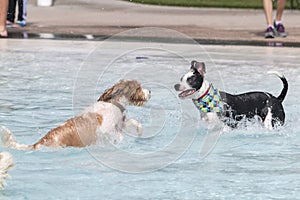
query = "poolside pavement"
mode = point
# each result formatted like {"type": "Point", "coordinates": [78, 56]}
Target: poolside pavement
{"type": "Point", "coordinates": [109, 17]}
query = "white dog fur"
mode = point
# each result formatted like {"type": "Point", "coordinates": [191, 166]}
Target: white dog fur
{"type": "Point", "coordinates": [6, 162]}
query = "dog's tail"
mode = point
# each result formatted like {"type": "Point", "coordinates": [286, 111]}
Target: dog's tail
{"type": "Point", "coordinates": [9, 141]}
{"type": "Point", "coordinates": [6, 162]}
{"type": "Point", "coordinates": [285, 85]}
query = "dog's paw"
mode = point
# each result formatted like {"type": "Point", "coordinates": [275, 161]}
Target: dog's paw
{"type": "Point", "coordinates": [139, 130]}
{"type": "Point", "coordinates": [6, 137]}
{"type": "Point", "coordinates": [133, 125]}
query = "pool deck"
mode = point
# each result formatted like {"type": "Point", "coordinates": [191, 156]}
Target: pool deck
{"type": "Point", "coordinates": [109, 17]}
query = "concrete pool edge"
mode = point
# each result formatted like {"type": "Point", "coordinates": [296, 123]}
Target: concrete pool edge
{"type": "Point", "coordinates": [91, 37]}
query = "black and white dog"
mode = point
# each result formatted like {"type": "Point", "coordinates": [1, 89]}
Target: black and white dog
{"type": "Point", "coordinates": [231, 109]}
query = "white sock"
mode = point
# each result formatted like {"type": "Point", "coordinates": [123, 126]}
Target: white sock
{"type": "Point", "coordinates": [278, 22]}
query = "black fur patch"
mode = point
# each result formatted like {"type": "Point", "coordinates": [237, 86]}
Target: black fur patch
{"type": "Point", "coordinates": [195, 81]}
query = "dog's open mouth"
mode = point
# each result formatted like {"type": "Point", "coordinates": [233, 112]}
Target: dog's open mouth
{"type": "Point", "coordinates": [186, 93]}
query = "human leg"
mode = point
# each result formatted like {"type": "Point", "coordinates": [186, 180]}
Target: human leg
{"type": "Point", "coordinates": [21, 13]}
{"type": "Point", "coordinates": [11, 11]}
{"type": "Point", "coordinates": [278, 23]}
{"type": "Point", "coordinates": [268, 9]}
{"type": "Point", "coordinates": [20, 10]}
{"type": "Point", "coordinates": [24, 11]}
{"type": "Point", "coordinates": [280, 9]}
{"type": "Point", "coordinates": [3, 13]}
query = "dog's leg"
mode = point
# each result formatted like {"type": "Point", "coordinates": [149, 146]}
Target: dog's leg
{"type": "Point", "coordinates": [211, 138]}
{"type": "Point", "coordinates": [212, 117]}
{"type": "Point", "coordinates": [132, 123]}
{"type": "Point", "coordinates": [9, 141]}
{"type": "Point", "coordinates": [268, 120]}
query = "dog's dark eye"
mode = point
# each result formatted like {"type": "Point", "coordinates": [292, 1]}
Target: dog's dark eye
{"type": "Point", "coordinates": [195, 81]}
{"type": "Point", "coordinates": [191, 79]}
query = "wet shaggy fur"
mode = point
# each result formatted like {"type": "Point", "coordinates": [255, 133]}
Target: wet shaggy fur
{"type": "Point", "coordinates": [105, 117]}
{"type": "Point", "coordinates": [130, 90]}
{"type": "Point", "coordinates": [77, 132]}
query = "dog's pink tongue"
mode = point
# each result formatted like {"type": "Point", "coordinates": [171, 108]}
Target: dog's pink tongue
{"type": "Point", "coordinates": [186, 93]}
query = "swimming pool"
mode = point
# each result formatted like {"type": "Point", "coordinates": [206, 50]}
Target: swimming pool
{"type": "Point", "coordinates": [45, 82]}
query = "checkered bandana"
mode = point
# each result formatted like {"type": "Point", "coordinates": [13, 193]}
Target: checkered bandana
{"type": "Point", "coordinates": [210, 102]}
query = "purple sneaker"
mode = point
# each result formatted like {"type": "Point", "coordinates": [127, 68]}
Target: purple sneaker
{"type": "Point", "coordinates": [280, 29]}
{"type": "Point", "coordinates": [270, 33]}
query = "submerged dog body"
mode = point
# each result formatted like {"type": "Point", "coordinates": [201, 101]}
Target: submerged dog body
{"type": "Point", "coordinates": [228, 107]}
{"type": "Point", "coordinates": [104, 118]}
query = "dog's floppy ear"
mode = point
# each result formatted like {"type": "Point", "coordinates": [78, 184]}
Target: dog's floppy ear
{"type": "Point", "coordinates": [111, 92]}
{"type": "Point", "coordinates": [199, 66]}
{"type": "Point", "coordinates": [107, 95]}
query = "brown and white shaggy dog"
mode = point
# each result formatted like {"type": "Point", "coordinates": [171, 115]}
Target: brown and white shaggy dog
{"type": "Point", "coordinates": [6, 162]}
{"type": "Point", "coordinates": [104, 120]}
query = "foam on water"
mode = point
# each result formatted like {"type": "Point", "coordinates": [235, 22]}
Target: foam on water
{"type": "Point", "coordinates": [37, 94]}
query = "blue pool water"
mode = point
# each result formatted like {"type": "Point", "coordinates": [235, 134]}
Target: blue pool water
{"type": "Point", "coordinates": [44, 82]}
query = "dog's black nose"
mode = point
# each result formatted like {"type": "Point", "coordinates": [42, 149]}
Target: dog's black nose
{"type": "Point", "coordinates": [177, 86]}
